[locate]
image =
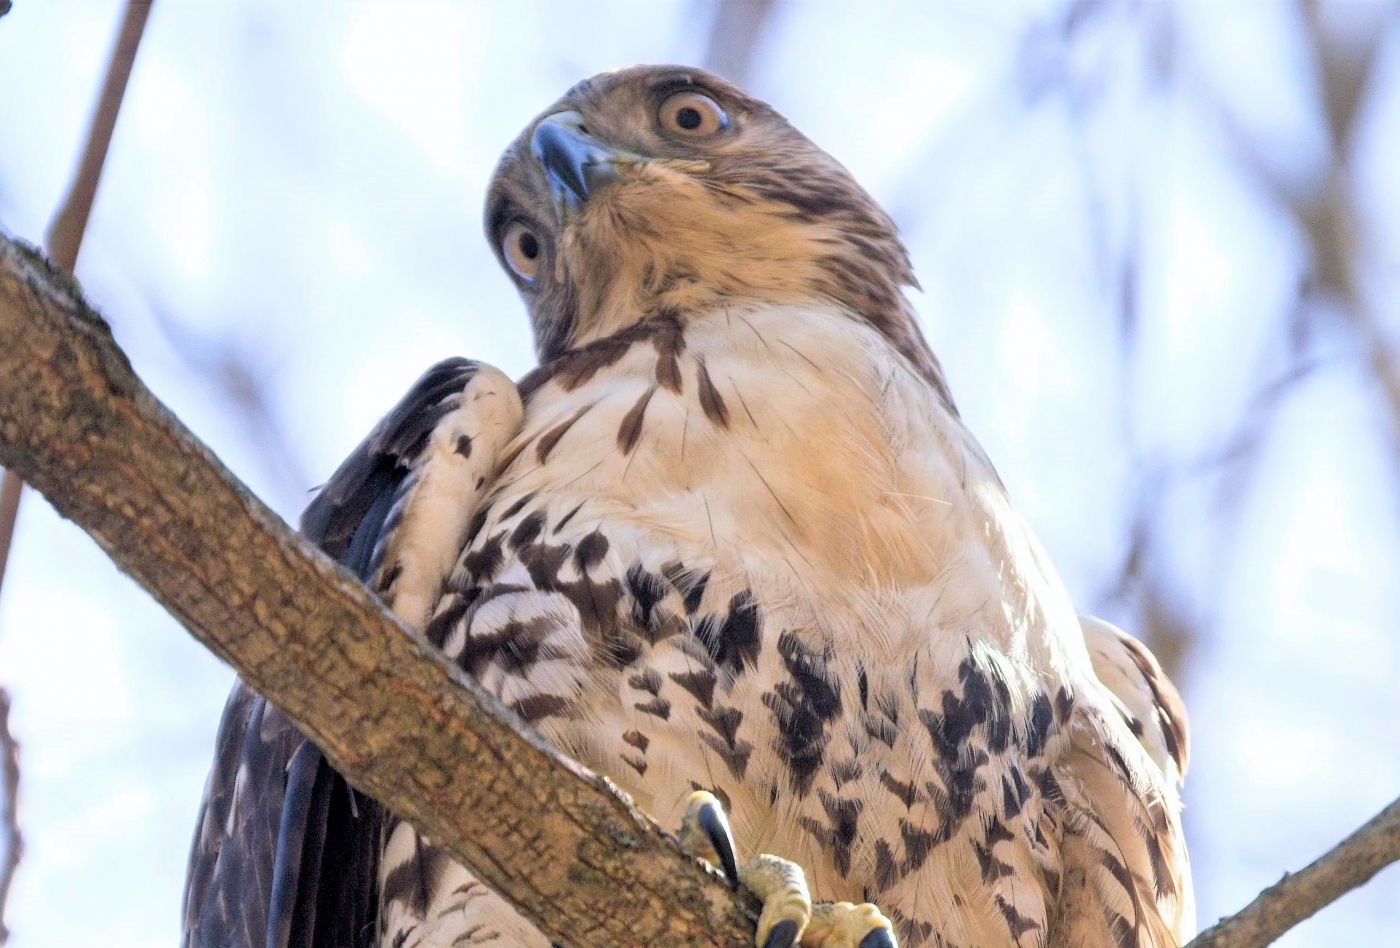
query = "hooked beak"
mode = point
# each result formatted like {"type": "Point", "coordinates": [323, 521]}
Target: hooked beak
{"type": "Point", "coordinates": [576, 163]}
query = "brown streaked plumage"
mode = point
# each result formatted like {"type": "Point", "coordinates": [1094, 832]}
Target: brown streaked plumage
{"type": "Point", "coordinates": [737, 539]}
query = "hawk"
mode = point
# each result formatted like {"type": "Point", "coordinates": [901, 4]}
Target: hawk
{"type": "Point", "coordinates": [732, 545]}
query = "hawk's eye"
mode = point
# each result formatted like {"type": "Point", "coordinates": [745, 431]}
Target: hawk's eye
{"type": "Point", "coordinates": [692, 115]}
{"type": "Point", "coordinates": [522, 251]}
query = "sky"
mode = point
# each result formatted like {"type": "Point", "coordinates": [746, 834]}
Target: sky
{"type": "Point", "coordinates": [292, 204]}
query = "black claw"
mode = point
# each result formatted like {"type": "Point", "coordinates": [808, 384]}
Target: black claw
{"type": "Point", "coordinates": [783, 935]}
{"type": "Point", "coordinates": [716, 828]}
{"type": "Point", "coordinates": [879, 938]}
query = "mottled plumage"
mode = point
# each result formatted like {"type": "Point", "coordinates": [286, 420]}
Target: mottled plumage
{"type": "Point", "coordinates": [736, 538]}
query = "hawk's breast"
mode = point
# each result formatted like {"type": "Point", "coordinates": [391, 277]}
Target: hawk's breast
{"type": "Point", "coordinates": [715, 550]}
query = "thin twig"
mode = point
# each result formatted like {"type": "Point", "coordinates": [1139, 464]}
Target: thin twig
{"type": "Point", "coordinates": [9, 811]}
{"type": "Point", "coordinates": [65, 234]}
{"type": "Point", "coordinates": [10, 489]}
{"type": "Point", "coordinates": [1348, 865]}
{"type": "Point", "coordinates": [241, 378]}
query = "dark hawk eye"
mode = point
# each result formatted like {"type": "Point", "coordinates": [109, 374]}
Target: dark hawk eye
{"type": "Point", "coordinates": [522, 251]}
{"type": "Point", "coordinates": [692, 115]}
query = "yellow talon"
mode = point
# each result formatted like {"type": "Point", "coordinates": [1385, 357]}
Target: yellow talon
{"type": "Point", "coordinates": [782, 888]}
{"type": "Point", "coordinates": [788, 918]}
{"type": "Point", "coordinates": [704, 822]}
{"type": "Point", "coordinates": [845, 925]}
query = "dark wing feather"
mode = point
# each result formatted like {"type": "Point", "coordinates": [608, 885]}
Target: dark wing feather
{"type": "Point", "coordinates": [286, 853]}
{"type": "Point", "coordinates": [237, 837]}
{"type": "Point", "coordinates": [350, 511]}
{"type": "Point", "coordinates": [299, 842]}
{"type": "Point", "coordinates": [213, 826]}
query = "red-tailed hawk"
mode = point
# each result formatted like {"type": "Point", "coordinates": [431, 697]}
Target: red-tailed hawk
{"type": "Point", "coordinates": [731, 536]}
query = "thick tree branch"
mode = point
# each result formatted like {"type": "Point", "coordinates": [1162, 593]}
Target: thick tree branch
{"type": "Point", "coordinates": [1299, 896]}
{"type": "Point", "coordinates": [403, 724]}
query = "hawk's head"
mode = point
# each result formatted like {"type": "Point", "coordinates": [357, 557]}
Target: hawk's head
{"type": "Point", "coordinates": [662, 187]}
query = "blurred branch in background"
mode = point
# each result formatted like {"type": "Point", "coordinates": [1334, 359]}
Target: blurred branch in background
{"type": "Point", "coordinates": [1066, 56]}
{"type": "Point", "coordinates": [11, 488]}
{"type": "Point", "coordinates": [1335, 290]}
{"type": "Point", "coordinates": [9, 810]}
{"type": "Point", "coordinates": [735, 30]}
{"type": "Point", "coordinates": [65, 235]}
{"type": "Point", "coordinates": [1327, 211]}
{"type": "Point", "coordinates": [240, 381]}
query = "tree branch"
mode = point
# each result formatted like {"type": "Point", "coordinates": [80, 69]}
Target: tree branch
{"type": "Point", "coordinates": [65, 236]}
{"type": "Point", "coordinates": [397, 719]}
{"type": "Point", "coordinates": [11, 488]}
{"type": "Point", "coordinates": [1350, 864]}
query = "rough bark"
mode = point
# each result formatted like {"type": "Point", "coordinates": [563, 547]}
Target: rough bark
{"type": "Point", "coordinates": [403, 725]}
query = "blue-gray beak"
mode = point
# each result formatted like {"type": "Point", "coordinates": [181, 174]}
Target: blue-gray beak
{"type": "Point", "coordinates": [576, 163]}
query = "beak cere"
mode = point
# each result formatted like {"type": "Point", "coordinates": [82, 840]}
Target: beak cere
{"type": "Point", "coordinates": [573, 160]}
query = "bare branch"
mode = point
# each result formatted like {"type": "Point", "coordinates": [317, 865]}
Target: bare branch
{"type": "Point", "coordinates": [1348, 865]}
{"type": "Point", "coordinates": [400, 721]}
{"type": "Point", "coordinates": [65, 235]}
{"type": "Point", "coordinates": [10, 489]}
{"type": "Point", "coordinates": [9, 810]}
{"type": "Point", "coordinates": [1325, 210]}
{"type": "Point", "coordinates": [241, 380]}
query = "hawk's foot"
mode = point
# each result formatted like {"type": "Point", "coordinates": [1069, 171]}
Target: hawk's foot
{"type": "Point", "coordinates": [788, 918]}
{"type": "Point", "coordinates": [846, 925]}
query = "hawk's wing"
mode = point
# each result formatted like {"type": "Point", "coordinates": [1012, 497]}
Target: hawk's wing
{"type": "Point", "coordinates": [285, 852]}
{"type": "Point", "coordinates": [1154, 710]}
{"type": "Point", "coordinates": [1124, 870]}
